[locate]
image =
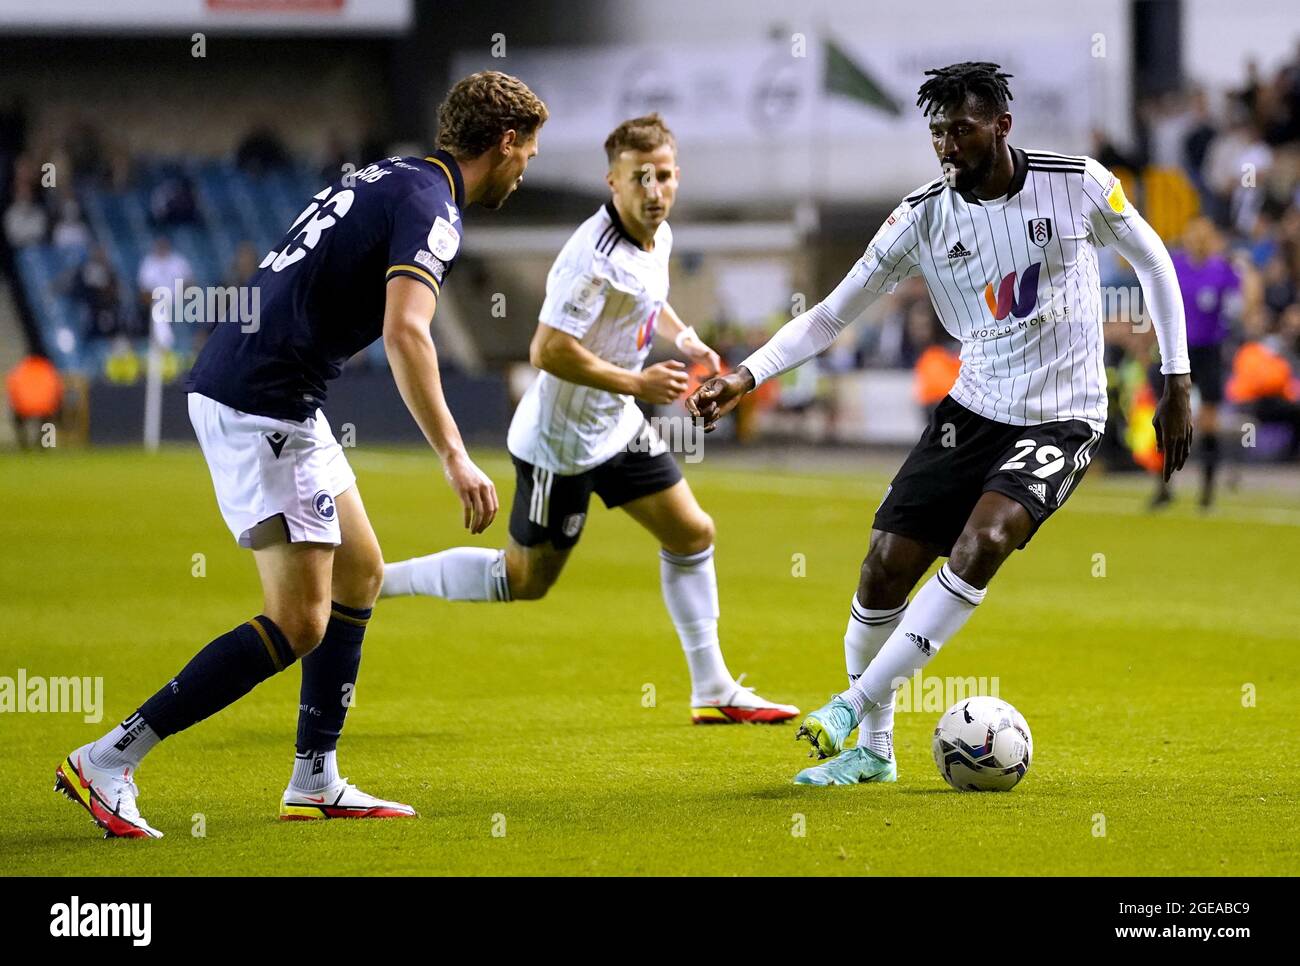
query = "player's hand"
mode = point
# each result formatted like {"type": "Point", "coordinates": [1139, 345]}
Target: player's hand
{"type": "Point", "coordinates": [719, 396]}
{"type": "Point", "coordinates": [663, 383]}
{"type": "Point", "coordinates": [697, 351]}
{"type": "Point", "coordinates": [477, 493]}
{"type": "Point", "coordinates": [1173, 422]}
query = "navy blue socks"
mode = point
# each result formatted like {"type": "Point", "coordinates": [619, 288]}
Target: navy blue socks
{"type": "Point", "coordinates": [329, 676]}
{"type": "Point", "coordinates": [219, 675]}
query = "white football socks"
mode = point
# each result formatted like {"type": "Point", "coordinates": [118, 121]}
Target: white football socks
{"type": "Point", "coordinates": [125, 745]}
{"type": "Point", "coordinates": [314, 770]}
{"type": "Point", "coordinates": [464, 573]}
{"type": "Point", "coordinates": [867, 631]}
{"type": "Point", "coordinates": [943, 604]}
{"type": "Point", "coordinates": [690, 587]}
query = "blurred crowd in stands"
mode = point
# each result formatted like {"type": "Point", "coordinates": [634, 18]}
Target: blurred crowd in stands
{"type": "Point", "coordinates": [1238, 265]}
{"type": "Point", "coordinates": [39, 206]}
{"type": "Point", "coordinates": [1236, 241]}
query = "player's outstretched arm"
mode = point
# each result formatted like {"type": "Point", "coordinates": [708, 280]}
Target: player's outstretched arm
{"type": "Point", "coordinates": [408, 310]}
{"type": "Point", "coordinates": [887, 260]}
{"type": "Point", "coordinates": [564, 356]}
{"type": "Point", "coordinates": [1146, 252]}
{"type": "Point", "coordinates": [799, 340]}
{"type": "Point", "coordinates": [719, 396]}
{"type": "Point", "coordinates": [1113, 222]}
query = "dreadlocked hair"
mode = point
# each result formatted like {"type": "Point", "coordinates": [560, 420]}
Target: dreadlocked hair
{"type": "Point", "coordinates": [949, 86]}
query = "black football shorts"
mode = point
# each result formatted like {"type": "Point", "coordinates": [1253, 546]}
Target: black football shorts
{"type": "Point", "coordinates": [1207, 371]}
{"type": "Point", "coordinates": [962, 455]}
{"type": "Point", "coordinates": [552, 508]}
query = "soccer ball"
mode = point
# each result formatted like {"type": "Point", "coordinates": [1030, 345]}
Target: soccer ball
{"type": "Point", "coordinates": [982, 744]}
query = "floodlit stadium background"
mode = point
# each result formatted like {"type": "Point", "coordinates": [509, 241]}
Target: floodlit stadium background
{"type": "Point", "coordinates": [212, 122]}
{"type": "Point", "coordinates": [1161, 697]}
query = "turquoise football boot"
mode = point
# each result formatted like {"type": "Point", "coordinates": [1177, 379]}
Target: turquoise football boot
{"type": "Point", "coordinates": [828, 728]}
{"type": "Point", "coordinates": [853, 766]}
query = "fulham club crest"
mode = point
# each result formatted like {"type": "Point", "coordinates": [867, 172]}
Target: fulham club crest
{"type": "Point", "coordinates": [1040, 231]}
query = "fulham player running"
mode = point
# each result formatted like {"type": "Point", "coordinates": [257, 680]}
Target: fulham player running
{"type": "Point", "coordinates": [578, 430]}
{"type": "Point", "coordinates": [1006, 242]}
{"type": "Point", "coordinates": [365, 259]}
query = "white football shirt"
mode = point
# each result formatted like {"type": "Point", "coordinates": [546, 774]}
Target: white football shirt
{"type": "Point", "coordinates": [606, 291]}
{"type": "Point", "coordinates": [1015, 280]}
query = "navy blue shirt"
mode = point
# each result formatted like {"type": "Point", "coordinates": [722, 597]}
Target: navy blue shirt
{"type": "Point", "coordinates": [322, 289]}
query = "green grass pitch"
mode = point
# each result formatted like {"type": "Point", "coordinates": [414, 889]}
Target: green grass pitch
{"type": "Point", "coordinates": [1162, 696]}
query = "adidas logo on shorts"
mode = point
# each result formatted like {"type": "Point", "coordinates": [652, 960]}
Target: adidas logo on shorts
{"type": "Point", "coordinates": [1039, 490]}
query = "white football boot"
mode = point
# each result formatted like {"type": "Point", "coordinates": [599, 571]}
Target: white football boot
{"type": "Point", "coordinates": [741, 706]}
{"type": "Point", "coordinates": [340, 800]}
{"type": "Point", "coordinates": [107, 794]}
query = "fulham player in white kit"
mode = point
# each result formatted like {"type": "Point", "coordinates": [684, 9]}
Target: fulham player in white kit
{"type": "Point", "coordinates": [1006, 242]}
{"type": "Point", "coordinates": [578, 429]}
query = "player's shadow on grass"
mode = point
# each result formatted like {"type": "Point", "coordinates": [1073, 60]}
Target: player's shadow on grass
{"type": "Point", "coordinates": [791, 791]}
{"type": "Point", "coordinates": [774, 794]}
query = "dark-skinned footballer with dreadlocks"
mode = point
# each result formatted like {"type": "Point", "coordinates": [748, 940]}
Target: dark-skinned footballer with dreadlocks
{"type": "Point", "coordinates": [1006, 240]}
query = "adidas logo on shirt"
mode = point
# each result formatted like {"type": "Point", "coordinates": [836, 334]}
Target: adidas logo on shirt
{"type": "Point", "coordinates": [958, 251]}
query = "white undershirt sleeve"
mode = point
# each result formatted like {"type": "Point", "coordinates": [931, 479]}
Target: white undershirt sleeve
{"type": "Point", "coordinates": [811, 333]}
{"type": "Point", "coordinates": [1113, 222]}
{"type": "Point", "coordinates": [1145, 251]}
{"type": "Point", "coordinates": [889, 258]}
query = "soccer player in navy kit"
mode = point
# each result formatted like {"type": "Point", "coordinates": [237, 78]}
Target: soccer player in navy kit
{"type": "Point", "coordinates": [366, 258]}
